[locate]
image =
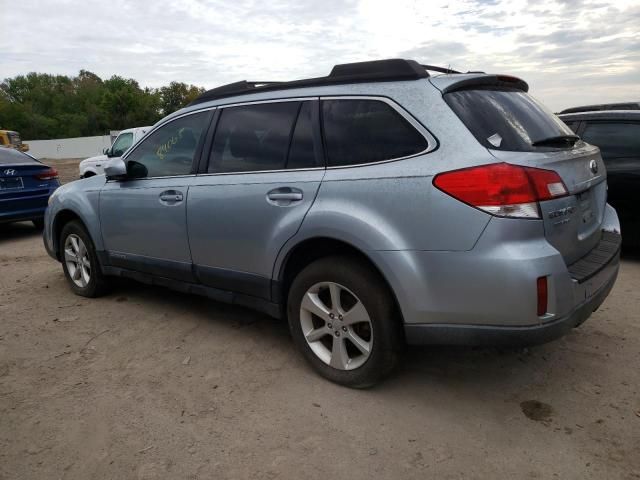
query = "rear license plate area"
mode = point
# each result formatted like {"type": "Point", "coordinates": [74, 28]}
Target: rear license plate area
{"type": "Point", "coordinates": [11, 183]}
{"type": "Point", "coordinates": [585, 203]}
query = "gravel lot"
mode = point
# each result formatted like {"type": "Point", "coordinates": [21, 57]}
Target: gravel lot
{"type": "Point", "coordinates": [147, 383]}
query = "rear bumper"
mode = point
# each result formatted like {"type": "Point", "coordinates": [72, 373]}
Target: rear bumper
{"type": "Point", "coordinates": [488, 295]}
{"type": "Point", "coordinates": [438, 334]}
{"type": "Point", "coordinates": [29, 205]}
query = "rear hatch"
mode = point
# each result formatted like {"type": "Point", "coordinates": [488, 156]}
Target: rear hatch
{"type": "Point", "coordinates": [518, 130]}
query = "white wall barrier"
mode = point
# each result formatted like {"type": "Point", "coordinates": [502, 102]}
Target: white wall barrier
{"type": "Point", "coordinates": [81, 147]}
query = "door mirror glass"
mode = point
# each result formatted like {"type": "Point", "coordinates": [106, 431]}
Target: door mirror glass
{"type": "Point", "coordinates": [115, 169]}
{"type": "Point", "coordinates": [106, 151]}
{"type": "Point", "coordinates": [136, 169]}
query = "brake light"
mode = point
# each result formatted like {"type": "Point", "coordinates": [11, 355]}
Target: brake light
{"type": "Point", "coordinates": [49, 174]}
{"type": "Point", "coordinates": [543, 295]}
{"type": "Point", "coordinates": [502, 189]}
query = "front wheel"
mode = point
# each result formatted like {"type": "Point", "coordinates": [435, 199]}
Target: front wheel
{"type": "Point", "coordinates": [80, 262]}
{"type": "Point", "coordinates": [342, 318]}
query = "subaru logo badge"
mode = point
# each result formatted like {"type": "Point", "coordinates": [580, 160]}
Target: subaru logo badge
{"type": "Point", "coordinates": [9, 171]}
{"type": "Point", "coordinates": [593, 166]}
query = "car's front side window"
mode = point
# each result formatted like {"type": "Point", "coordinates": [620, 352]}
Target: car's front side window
{"type": "Point", "coordinates": [122, 144]}
{"type": "Point", "coordinates": [170, 150]}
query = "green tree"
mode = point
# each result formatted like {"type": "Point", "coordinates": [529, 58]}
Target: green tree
{"type": "Point", "coordinates": [177, 95]}
{"type": "Point", "coordinates": [42, 106]}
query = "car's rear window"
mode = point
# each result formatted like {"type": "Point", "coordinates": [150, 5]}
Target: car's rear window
{"type": "Point", "coordinates": [10, 156]}
{"type": "Point", "coordinates": [506, 119]}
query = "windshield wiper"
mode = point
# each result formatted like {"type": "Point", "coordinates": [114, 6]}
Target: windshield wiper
{"type": "Point", "coordinates": [562, 140]}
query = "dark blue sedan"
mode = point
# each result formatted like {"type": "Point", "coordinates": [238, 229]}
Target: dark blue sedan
{"type": "Point", "coordinates": [25, 187]}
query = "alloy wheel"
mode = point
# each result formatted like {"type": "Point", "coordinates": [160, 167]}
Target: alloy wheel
{"type": "Point", "coordinates": [77, 260]}
{"type": "Point", "coordinates": [336, 325]}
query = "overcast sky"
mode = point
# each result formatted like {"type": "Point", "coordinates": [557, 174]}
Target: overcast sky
{"type": "Point", "coordinates": [571, 52]}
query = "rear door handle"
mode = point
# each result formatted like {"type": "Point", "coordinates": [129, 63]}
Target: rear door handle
{"type": "Point", "coordinates": [171, 197]}
{"type": "Point", "coordinates": [284, 196]}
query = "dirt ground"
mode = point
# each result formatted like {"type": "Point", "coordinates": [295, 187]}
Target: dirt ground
{"type": "Point", "coordinates": [147, 383]}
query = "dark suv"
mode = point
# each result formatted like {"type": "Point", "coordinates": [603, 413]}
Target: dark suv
{"type": "Point", "coordinates": [616, 130]}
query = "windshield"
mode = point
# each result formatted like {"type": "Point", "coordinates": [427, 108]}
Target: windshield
{"type": "Point", "coordinates": [122, 144]}
{"type": "Point", "coordinates": [507, 119]}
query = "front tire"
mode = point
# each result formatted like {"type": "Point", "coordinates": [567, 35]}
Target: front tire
{"type": "Point", "coordinates": [80, 262]}
{"type": "Point", "coordinates": [342, 319]}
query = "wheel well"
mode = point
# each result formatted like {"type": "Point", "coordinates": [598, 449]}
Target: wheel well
{"type": "Point", "coordinates": [311, 250]}
{"type": "Point", "coordinates": [62, 218]}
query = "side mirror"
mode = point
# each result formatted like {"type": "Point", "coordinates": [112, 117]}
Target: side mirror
{"type": "Point", "coordinates": [115, 169]}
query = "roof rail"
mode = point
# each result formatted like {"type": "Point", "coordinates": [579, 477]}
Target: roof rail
{"type": "Point", "coordinates": [395, 69]}
{"type": "Point", "coordinates": [603, 106]}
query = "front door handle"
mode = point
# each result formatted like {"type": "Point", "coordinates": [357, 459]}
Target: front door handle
{"type": "Point", "coordinates": [284, 196]}
{"type": "Point", "coordinates": [171, 197]}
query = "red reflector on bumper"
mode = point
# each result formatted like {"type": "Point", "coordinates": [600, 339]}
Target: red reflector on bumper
{"type": "Point", "coordinates": [542, 295]}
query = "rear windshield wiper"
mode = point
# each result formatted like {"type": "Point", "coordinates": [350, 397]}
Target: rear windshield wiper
{"type": "Point", "coordinates": [562, 140]}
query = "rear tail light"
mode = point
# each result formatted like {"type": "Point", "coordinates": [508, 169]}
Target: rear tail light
{"type": "Point", "coordinates": [502, 189]}
{"type": "Point", "coordinates": [49, 174]}
{"type": "Point", "coordinates": [543, 294]}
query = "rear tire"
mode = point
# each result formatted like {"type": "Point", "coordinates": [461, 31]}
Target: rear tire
{"type": "Point", "coordinates": [355, 340]}
{"type": "Point", "coordinates": [80, 262]}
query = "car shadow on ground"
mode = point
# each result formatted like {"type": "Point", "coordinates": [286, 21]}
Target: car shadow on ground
{"type": "Point", "coordinates": [419, 365]}
{"type": "Point", "coordinates": [18, 231]}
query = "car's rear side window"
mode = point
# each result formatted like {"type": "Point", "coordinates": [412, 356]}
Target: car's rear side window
{"type": "Point", "coordinates": [252, 138]}
{"type": "Point", "coordinates": [360, 131]}
{"type": "Point", "coordinates": [506, 119]}
{"type": "Point", "coordinates": [616, 140]}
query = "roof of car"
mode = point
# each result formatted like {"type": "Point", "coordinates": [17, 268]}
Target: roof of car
{"type": "Point", "coordinates": [133, 129]}
{"type": "Point", "coordinates": [391, 70]}
{"type": "Point", "coordinates": [603, 107]}
{"type": "Point", "coordinates": [602, 115]}
{"type": "Point", "coordinates": [373, 71]}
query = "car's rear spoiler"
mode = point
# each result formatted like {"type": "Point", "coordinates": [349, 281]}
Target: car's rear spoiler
{"type": "Point", "coordinates": [452, 83]}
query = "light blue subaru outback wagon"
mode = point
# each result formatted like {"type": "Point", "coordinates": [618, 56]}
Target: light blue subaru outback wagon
{"type": "Point", "coordinates": [376, 206]}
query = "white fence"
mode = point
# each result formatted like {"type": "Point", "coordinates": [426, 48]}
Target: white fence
{"type": "Point", "coordinates": [81, 147]}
